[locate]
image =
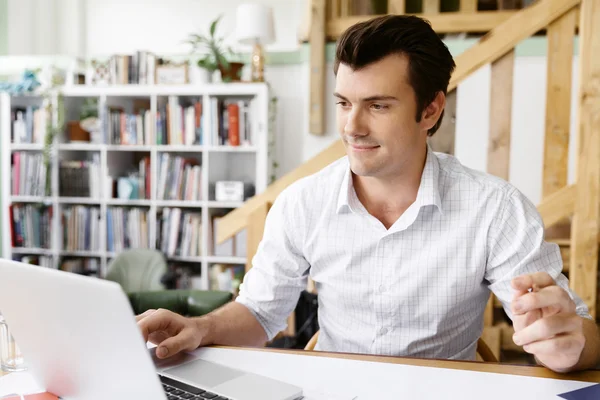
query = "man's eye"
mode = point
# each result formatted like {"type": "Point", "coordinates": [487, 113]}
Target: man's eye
{"type": "Point", "coordinates": [342, 103]}
{"type": "Point", "coordinates": [378, 106]}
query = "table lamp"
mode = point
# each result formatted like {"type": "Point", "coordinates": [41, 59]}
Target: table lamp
{"type": "Point", "coordinates": [255, 26]}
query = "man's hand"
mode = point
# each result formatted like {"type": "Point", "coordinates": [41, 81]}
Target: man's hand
{"type": "Point", "coordinates": [545, 322]}
{"type": "Point", "coordinates": [171, 332]}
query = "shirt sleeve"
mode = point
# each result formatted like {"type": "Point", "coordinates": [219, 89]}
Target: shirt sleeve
{"type": "Point", "coordinates": [279, 273]}
{"type": "Point", "coordinates": [516, 246]}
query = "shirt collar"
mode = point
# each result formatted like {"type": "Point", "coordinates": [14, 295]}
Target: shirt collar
{"type": "Point", "coordinates": [428, 194]}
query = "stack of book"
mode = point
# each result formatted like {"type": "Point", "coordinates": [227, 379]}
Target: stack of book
{"type": "Point", "coordinates": [126, 229]}
{"type": "Point", "coordinates": [80, 178]}
{"type": "Point", "coordinates": [179, 233]}
{"type": "Point", "coordinates": [179, 124]}
{"type": "Point", "coordinates": [179, 178]}
{"type": "Point", "coordinates": [29, 125]}
{"type": "Point", "coordinates": [230, 122]}
{"type": "Point", "coordinates": [136, 185]}
{"type": "Point", "coordinates": [28, 174]}
{"type": "Point", "coordinates": [30, 226]}
{"type": "Point", "coordinates": [137, 68]}
{"type": "Point", "coordinates": [42, 261]}
{"type": "Point", "coordinates": [81, 228]}
{"type": "Point", "coordinates": [83, 266]}
{"type": "Point", "coordinates": [125, 129]}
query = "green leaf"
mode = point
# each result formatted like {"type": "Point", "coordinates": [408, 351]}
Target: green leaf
{"type": "Point", "coordinates": [213, 26]}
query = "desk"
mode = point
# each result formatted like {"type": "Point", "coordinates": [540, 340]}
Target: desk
{"type": "Point", "coordinates": [345, 376]}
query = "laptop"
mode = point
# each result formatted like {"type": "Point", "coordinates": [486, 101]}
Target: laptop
{"type": "Point", "coordinates": [80, 340]}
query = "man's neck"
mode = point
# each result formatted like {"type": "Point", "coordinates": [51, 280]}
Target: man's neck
{"type": "Point", "coordinates": [387, 198]}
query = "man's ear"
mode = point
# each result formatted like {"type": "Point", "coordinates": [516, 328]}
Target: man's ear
{"type": "Point", "coordinates": [431, 114]}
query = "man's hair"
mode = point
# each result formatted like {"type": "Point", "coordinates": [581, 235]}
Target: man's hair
{"type": "Point", "coordinates": [430, 61]}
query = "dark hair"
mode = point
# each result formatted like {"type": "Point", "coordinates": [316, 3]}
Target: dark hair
{"type": "Point", "coordinates": [430, 62]}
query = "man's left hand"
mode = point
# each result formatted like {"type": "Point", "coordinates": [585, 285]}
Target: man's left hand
{"type": "Point", "coordinates": [545, 321]}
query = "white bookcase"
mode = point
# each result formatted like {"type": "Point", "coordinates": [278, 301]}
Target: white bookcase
{"type": "Point", "coordinates": [246, 162]}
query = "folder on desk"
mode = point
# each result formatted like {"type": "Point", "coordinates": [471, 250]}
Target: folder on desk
{"type": "Point", "coordinates": [587, 393]}
{"type": "Point", "coordinates": [37, 396]}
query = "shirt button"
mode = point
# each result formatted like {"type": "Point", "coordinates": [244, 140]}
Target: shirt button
{"type": "Point", "coordinates": [381, 288]}
{"type": "Point", "coordinates": [383, 331]}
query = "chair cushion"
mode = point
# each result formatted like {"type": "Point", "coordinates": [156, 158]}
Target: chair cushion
{"type": "Point", "coordinates": [192, 303]}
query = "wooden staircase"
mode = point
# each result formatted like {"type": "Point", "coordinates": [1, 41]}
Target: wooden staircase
{"type": "Point", "coordinates": [578, 204]}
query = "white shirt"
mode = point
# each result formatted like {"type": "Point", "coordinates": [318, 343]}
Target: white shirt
{"type": "Point", "coordinates": [417, 289]}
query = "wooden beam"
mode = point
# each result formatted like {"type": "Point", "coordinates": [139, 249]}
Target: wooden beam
{"type": "Point", "coordinates": [446, 22]}
{"type": "Point", "coordinates": [335, 8]}
{"type": "Point", "coordinates": [431, 7]}
{"type": "Point", "coordinates": [345, 8]}
{"type": "Point", "coordinates": [507, 35]}
{"type": "Point", "coordinates": [583, 272]}
{"type": "Point", "coordinates": [256, 229]}
{"type": "Point", "coordinates": [468, 6]}
{"type": "Point", "coordinates": [317, 68]}
{"type": "Point", "coordinates": [236, 220]}
{"type": "Point", "coordinates": [396, 6]}
{"type": "Point", "coordinates": [558, 102]}
{"type": "Point", "coordinates": [492, 336]}
{"type": "Point", "coordinates": [558, 205]}
{"type": "Point", "coordinates": [499, 138]}
{"type": "Point", "coordinates": [500, 116]}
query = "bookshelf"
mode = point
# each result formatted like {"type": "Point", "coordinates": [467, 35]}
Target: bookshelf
{"type": "Point", "coordinates": [81, 210]}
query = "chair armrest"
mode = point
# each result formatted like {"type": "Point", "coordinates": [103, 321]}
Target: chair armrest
{"type": "Point", "coordinates": [192, 303]}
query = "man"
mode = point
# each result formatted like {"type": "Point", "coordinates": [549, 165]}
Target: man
{"type": "Point", "coordinates": [403, 244]}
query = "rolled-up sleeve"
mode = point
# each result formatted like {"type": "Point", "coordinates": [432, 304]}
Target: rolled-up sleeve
{"type": "Point", "coordinates": [516, 246]}
{"type": "Point", "coordinates": [279, 273]}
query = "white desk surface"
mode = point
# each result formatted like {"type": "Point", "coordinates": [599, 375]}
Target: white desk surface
{"type": "Point", "coordinates": [344, 377]}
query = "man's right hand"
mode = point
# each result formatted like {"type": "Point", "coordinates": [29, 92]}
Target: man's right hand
{"type": "Point", "coordinates": [171, 332]}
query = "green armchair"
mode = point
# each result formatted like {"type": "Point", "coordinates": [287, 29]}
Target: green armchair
{"type": "Point", "coordinates": [140, 273]}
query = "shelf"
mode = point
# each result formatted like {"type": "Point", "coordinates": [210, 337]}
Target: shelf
{"type": "Point", "coordinates": [78, 200]}
{"type": "Point", "coordinates": [28, 250]}
{"type": "Point", "coordinates": [134, 90]}
{"type": "Point", "coordinates": [80, 146]}
{"type": "Point", "coordinates": [226, 260]}
{"type": "Point", "coordinates": [180, 203]}
{"type": "Point", "coordinates": [128, 147]}
{"type": "Point", "coordinates": [232, 149]}
{"type": "Point", "coordinates": [179, 148]}
{"type": "Point", "coordinates": [185, 259]}
{"type": "Point", "coordinates": [225, 204]}
{"type": "Point", "coordinates": [131, 203]}
{"type": "Point", "coordinates": [30, 199]}
{"type": "Point", "coordinates": [26, 146]}
{"type": "Point", "coordinates": [80, 253]}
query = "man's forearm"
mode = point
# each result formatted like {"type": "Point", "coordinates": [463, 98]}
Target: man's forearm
{"type": "Point", "coordinates": [590, 355]}
{"type": "Point", "coordinates": [231, 325]}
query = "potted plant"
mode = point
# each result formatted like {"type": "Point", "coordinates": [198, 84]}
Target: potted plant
{"type": "Point", "coordinates": [215, 54]}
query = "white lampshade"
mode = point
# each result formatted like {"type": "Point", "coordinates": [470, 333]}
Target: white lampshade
{"type": "Point", "coordinates": [254, 22]}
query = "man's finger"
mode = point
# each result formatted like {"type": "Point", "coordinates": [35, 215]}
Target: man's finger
{"type": "Point", "coordinates": [547, 328]}
{"type": "Point", "coordinates": [157, 321]}
{"type": "Point", "coordinates": [537, 280]}
{"type": "Point", "coordinates": [143, 315]}
{"type": "Point", "coordinates": [522, 321]}
{"type": "Point", "coordinates": [173, 345]}
{"type": "Point", "coordinates": [552, 297]}
{"type": "Point", "coordinates": [564, 345]}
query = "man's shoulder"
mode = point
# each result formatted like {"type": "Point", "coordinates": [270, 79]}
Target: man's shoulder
{"type": "Point", "coordinates": [326, 181]}
{"type": "Point", "coordinates": [457, 176]}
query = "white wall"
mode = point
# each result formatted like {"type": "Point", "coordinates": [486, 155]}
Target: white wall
{"type": "Point", "coordinates": [122, 26]}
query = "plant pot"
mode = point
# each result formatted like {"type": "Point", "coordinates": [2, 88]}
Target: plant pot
{"type": "Point", "coordinates": [200, 75]}
{"type": "Point", "coordinates": [233, 73]}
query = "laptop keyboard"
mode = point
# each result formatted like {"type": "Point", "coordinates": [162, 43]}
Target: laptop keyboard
{"type": "Point", "coordinates": [176, 390]}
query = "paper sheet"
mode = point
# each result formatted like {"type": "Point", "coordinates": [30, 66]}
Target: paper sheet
{"type": "Point", "coordinates": [18, 383]}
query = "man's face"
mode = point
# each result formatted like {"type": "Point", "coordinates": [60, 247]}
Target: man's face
{"type": "Point", "coordinates": [376, 117]}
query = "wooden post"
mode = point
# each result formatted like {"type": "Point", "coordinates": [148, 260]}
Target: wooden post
{"type": "Point", "coordinates": [335, 8]}
{"type": "Point", "coordinates": [499, 154]}
{"type": "Point", "coordinates": [317, 67]}
{"type": "Point", "coordinates": [500, 116]}
{"type": "Point", "coordinates": [256, 229]}
{"type": "Point", "coordinates": [346, 8]}
{"type": "Point", "coordinates": [396, 6]}
{"type": "Point", "coordinates": [583, 271]}
{"type": "Point", "coordinates": [558, 102]}
{"type": "Point", "coordinates": [431, 6]}
{"type": "Point", "coordinates": [468, 6]}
